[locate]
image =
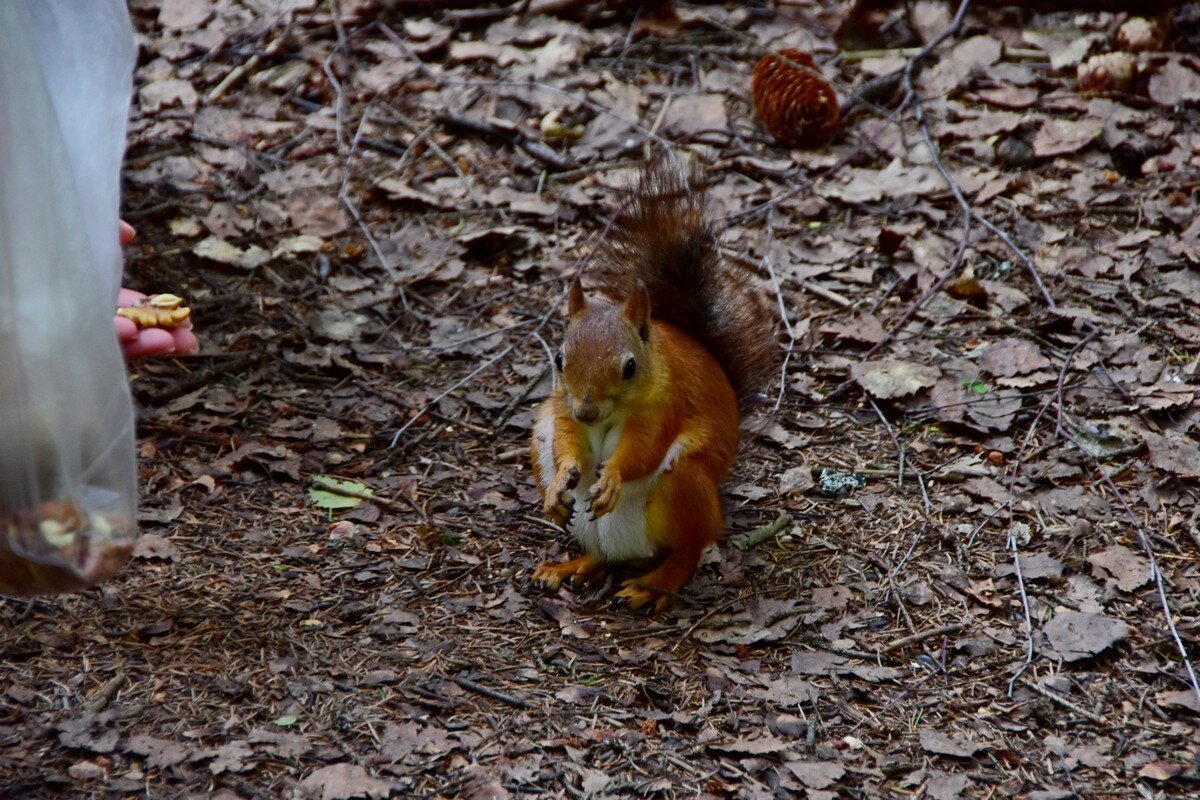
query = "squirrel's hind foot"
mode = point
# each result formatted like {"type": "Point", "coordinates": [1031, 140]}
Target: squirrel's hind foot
{"type": "Point", "coordinates": [637, 596]}
{"type": "Point", "coordinates": [578, 569]}
{"type": "Point", "coordinates": [662, 584]}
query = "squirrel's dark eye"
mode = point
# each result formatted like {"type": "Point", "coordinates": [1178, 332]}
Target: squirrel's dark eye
{"type": "Point", "coordinates": [630, 368]}
{"type": "Point", "coordinates": [558, 361]}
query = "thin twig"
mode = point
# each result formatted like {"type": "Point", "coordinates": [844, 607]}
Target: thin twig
{"type": "Point", "coordinates": [1155, 573]}
{"type": "Point", "coordinates": [1012, 544]}
{"type": "Point", "coordinates": [1062, 701]}
{"type": "Point", "coordinates": [1057, 399]}
{"type": "Point", "coordinates": [913, 97]}
{"type": "Point", "coordinates": [515, 138]}
{"type": "Point", "coordinates": [508, 410]}
{"type": "Point", "coordinates": [945, 630]}
{"type": "Point", "coordinates": [352, 207]}
{"type": "Point", "coordinates": [487, 691]}
{"type": "Point", "coordinates": [787, 326]}
{"type": "Point", "coordinates": [343, 192]}
{"type": "Point", "coordinates": [333, 487]}
{"type": "Point", "coordinates": [541, 323]}
{"type": "Point", "coordinates": [919, 303]}
{"type": "Point", "coordinates": [443, 155]}
{"type": "Point", "coordinates": [745, 541]}
{"type": "Point", "coordinates": [242, 70]}
{"type": "Point", "coordinates": [107, 691]}
{"type": "Point", "coordinates": [926, 506]}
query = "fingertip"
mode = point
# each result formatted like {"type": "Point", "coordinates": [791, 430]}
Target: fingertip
{"type": "Point", "coordinates": [127, 331]}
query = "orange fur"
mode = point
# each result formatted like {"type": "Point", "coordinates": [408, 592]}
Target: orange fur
{"type": "Point", "coordinates": [686, 398]}
{"type": "Point", "coordinates": [631, 448]}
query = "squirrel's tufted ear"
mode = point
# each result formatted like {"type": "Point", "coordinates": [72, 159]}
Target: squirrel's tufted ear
{"type": "Point", "coordinates": [576, 304]}
{"type": "Point", "coordinates": [637, 310]}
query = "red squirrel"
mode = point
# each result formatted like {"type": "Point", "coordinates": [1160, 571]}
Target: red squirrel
{"type": "Point", "coordinates": [630, 449]}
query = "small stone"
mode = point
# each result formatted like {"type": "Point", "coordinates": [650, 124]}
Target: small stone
{"type": "Point", "coordinates": [86, 771]}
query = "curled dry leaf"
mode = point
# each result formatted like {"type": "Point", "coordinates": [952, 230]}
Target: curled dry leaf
{"type": "Point", "coordinates": [1162, 770]}
{"type": "Point", "coordinates": [1107, 72]}
{"type": "Point", "coordinates": [795, 103]}
{"type": "Point", "coordinates": [151, 545]}
{"type": "Point", "coordinates": [217, 249]}
{"type": "Point", "coordinates": [1138, 34]}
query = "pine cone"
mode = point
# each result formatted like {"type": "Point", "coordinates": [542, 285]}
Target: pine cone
{"type": "Point", "coordinates": [793, 101]}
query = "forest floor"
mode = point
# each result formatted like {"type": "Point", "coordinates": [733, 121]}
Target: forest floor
{"type": "Point", "coordinates": [374, 218]}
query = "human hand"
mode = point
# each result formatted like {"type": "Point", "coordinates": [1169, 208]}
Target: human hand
{"type": "Point", "coordinates": [138, 342]}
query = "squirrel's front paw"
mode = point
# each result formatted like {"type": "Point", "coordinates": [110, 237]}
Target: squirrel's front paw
{"type": "Point", "coordinates": [606, 491]}
{"type": "Point", "coordinates": [559, 503]}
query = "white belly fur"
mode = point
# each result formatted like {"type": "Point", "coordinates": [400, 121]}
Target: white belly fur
{"type": "Point", "coordinates": [620, 535]}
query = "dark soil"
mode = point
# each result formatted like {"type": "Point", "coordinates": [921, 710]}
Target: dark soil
{"type": "Point", "coordinates": [978, 475]}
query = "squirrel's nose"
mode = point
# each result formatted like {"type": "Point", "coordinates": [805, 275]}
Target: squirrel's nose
{"type": "Point", "coordinates": [587, 412]}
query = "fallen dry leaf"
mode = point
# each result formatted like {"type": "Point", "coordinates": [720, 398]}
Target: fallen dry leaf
{"type": "Point", "coordinates": [1174, 452]}
{"type": "Point", "coordinates": [934, 741]}
{"type": "Point", "coordinates": [889, 379]}
{"type": "Point", "coordinates": [151, 545]}
{"type": "Point", "coordinates": [694, 113]}
{"type": "Point", "coordinates": [763, 745]}
{"type": "Point", "coordinates": [945, 785]}
{"type": "Point", "coordinates": [763, 620]}
{"type": "Point", "coordinates": [996, 409]}
{"type": "Point", "coordinates": [1174, 83]}
{"type": "Point", "coordinates": [1185, 699]}
{"type": "Point", "coordinates": [816, 774]}
{"type": "Point", "coordinates": [1009, 357]}
{"type": "Point", "coordinates": [1162, 770]}
{"type": "Point", "coordinates": [796, 480]}
{"type": "Point", "coordinates": [159, 753]}
{"type": "Point", "coordinates": [788, 691]}
{"type": "Point", "coordinates": [218, 249]}
{"type": "Point", "coordinates": [1076, 635]}
{"type": "Point", "coordinates": [1129, 570]}
{"type": "Point", "coordinates": [868, 185]}
{"type": "Point", "coordinates": [185, 13]}
{"type": "Point", "coordinates": [343, 782]}
{"type": "Point", "coordinates": [1059, 137]}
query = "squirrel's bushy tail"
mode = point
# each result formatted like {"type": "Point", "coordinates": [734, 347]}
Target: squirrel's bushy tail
{"type": "Point", "coordinates": [663, 239]}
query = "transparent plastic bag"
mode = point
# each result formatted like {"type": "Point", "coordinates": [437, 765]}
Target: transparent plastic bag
{"type": "Point", "coordinates": [67, 471]}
